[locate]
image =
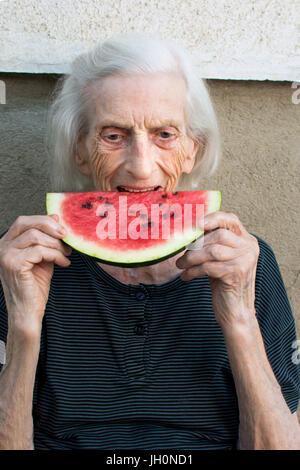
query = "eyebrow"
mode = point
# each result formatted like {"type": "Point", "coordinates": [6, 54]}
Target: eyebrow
{"type": "Point", "coordinates": [124, 125]}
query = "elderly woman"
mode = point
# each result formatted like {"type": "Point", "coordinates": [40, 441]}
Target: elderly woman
{"type": "Point", "coordinates": [191, 353]}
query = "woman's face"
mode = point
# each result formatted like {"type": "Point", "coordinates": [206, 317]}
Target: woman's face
{"type": "Point", "coordinates": [137, 136]}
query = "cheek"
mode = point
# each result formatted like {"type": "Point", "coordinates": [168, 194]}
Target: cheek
{"type": "Point", "coordinates": [103, 167]}
{"type": "Point", "coordinates": [173, 165]}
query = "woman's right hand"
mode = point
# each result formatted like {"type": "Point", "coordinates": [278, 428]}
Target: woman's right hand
{"type": "Point", "coordinates": [28, 252]}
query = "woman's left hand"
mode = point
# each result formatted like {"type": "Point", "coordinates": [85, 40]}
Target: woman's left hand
{"type": "Point", "coordinates": [229, 258]}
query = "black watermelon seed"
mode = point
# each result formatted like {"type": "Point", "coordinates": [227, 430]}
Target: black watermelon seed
{"type": "Point", "coordinates": [83, 205]}
{"type": "Point", "coordinates": [149, 224]}
{"type": "Point", "coordinates": [176, 192]}
{"type": "Point", "coordinates": [100, 198]}
{"type": "Point", "coordinates": [163, 195]}
{"type": "Point", "coordinates": [89, 205]}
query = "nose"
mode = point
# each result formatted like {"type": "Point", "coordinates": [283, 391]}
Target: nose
{"type": "Point", "coordinates": [140, 158]}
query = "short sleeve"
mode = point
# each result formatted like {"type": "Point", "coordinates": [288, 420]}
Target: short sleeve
{"type": "Point", "coordinates": [277, 325]}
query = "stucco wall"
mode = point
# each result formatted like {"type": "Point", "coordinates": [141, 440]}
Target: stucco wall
{"type": "Point", "coordinates": [253, 39]}
{"type": "Point", "coordinates": [258, 174]}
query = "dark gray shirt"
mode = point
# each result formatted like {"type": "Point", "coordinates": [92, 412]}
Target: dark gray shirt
{"type": "Point", "coordinates": [145, 366]}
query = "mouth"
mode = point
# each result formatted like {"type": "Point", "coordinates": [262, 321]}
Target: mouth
{"type": "Point", "coordinates": [132, 189]}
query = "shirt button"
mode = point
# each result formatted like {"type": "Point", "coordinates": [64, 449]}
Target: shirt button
{"type": "Point", "coordinates": [139, 329]}
{"type": "Point", "coordinates": [140, 296]}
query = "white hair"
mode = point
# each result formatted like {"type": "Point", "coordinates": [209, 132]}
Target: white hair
{"type": "Point", "coordinates": [126, 54]}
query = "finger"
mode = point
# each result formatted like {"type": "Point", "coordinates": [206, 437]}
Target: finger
{"type": "Point", "coordinates": [37, 254]}
{"type": "Point", "coordinates": [213, 252]}
{"type": "Point", "coordinates": [55, 217]}
{"type": "Point", "coordinates": [223, 220]}
{"type": "Point", "coordinates": [44, 223]}
{"type": "Point", "coordinates": [212, 269]}
{"type": "Point", "coordinates": [223, 237]}
{"type": "Point", "coordinates": [33, 237]}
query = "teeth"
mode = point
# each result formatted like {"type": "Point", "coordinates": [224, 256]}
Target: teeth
{"type": "Point", "coordinates": [136, 190]}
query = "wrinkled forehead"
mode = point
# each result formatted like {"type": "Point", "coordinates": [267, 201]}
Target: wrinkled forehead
{"type": "Point", "coordinates": [139, 100]}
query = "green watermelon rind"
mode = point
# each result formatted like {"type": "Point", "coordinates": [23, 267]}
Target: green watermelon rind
{"type": "Point", "coordinates": [131, 258]}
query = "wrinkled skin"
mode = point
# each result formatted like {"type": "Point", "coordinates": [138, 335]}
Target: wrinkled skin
{"type": "Point", "coordinates": [138, 137]}
{"type": "Point", "coordinates": [229, 257]}
{"type": "Point", "coordinates": [28, 252]}
{"type": "Point", "coordinates": [137, 133]}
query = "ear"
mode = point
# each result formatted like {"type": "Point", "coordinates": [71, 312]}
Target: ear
{"type": "Point", "coordinates": [81, 156]}
{"type": "Point", "coordinates": [192, 149]}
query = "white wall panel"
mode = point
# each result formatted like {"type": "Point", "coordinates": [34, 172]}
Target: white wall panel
{"type": "Point", "coordinates": [233, 39]}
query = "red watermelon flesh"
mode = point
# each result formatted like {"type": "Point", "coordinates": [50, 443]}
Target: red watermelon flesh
{"type": "Point", "coordinates": [132, 228]}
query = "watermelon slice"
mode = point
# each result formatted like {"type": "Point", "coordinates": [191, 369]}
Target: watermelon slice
{"type": "Point", "coordinates": [132, 229]}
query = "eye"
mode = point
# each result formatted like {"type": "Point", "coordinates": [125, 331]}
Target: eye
{"type": "Point", "coordinates": [112, 137]}
{"type": "Point", "coordinates": [165, 134]}
{"type": "Point", "coordinates": [166, 137]}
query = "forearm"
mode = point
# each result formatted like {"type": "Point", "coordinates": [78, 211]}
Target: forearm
{"type": "Point", "coordinates": [16, 392]}
{"type": "Point", "coordinates": [265, 420]}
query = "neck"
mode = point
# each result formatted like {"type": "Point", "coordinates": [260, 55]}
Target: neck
{"type": "Point", "coordinates": [155, 274]}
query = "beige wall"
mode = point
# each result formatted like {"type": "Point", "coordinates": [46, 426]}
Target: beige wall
{"type": "Point", "coordinates": [259, 172]}
{"type": "Point", "coordinates": [260, 168]}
